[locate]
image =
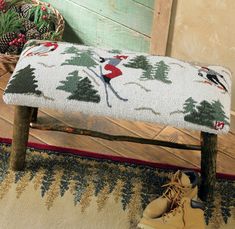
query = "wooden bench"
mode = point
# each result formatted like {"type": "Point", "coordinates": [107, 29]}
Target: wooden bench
{"type": "Point", "coordinates": [120, 84]}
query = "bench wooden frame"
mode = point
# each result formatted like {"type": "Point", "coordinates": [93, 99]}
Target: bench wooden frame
{"type": "Point", "coordinates": [22, 122]}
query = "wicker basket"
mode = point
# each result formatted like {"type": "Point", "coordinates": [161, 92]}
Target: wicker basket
{"type": "Point", "coordinates": [8, 62]}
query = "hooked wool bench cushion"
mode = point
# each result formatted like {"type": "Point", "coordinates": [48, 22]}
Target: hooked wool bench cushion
{"type": "Point", "coordinates": [121, 84]}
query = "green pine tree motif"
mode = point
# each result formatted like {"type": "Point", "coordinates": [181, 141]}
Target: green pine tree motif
{"type": "Point", "coordinates": [193, 117]}
{"type": "Point", "coordinates": [160, 72]}
{"type": "Point", "coordinates": [82, 59]}
{"type": "Point", "coordinates": [23, 82]}
{"type": "Point", "coordinates": [71, 50]}
{"type": "Point", "coordinates": [219, 113]}
{"type": "Point", "coordinates": [80, 88]}
{"type": "Point", "coordinates": [138, 62]}
{"type": "Point", "coordinates": [70, 85]}
{"type": "Point", "coordinates": [85, 92]}
{"type": "Point", "coordinates": [202, 115]}
{"type": "Point", "coordinates": [205, 111]}
{"type": "Point", "coordinates": [189, 105]}
{"type": "Point", "coordinates": [148, 74]}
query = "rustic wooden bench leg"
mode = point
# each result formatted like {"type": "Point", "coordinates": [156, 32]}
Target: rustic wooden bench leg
{"type": "Point", "coordinates": [20, 137]}
{"type": "Point", "coordinates": [34, 115]}
{"type": "Point", "coordinates": [208, 165]}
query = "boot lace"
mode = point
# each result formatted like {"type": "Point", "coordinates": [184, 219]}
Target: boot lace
{"type": "Point", "coordinates": [175, 191]}
{"type": "Point", "coordinates": [177, 209]}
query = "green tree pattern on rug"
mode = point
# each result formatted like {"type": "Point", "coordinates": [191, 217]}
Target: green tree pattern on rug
{"type": "Point", "coordinates": [204, 113]}
{"type": "Point", "coordinates": [24, 82]}
{"type": "Point", "coordinates": [82, 59]}
{"type": "Point", "coordinates": [84, 177]}
{"type": "Point", "coordinates": [80, 88]}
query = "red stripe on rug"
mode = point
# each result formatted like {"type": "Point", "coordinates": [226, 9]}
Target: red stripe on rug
{"type": "Point", "coordinates": [112, 158]}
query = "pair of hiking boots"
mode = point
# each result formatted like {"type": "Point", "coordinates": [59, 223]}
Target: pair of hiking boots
{"type": "Point", "coordinates": [178, 207]}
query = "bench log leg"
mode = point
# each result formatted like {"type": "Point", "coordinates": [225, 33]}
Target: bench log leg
{"type": "Point", "coordinates": [20, 137]}
{"type": "Point", "coordinates": [34, 115]}
{"type": "Point", "coordinates": [208, 165]}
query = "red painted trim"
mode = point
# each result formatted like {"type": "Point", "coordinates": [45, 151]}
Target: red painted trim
{"type": "Point", "coordinates": [112, 158]}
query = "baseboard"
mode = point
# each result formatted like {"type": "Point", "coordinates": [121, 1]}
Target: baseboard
{"type": "Point", "coordinates": [232, 127]}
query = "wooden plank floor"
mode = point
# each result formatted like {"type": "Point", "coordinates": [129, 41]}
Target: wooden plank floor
{"type": "Point", "coordinates": [191, 159]}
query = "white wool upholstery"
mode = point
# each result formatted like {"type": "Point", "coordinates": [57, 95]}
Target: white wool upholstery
{"type": "Point", "coordinates": [121, 84]}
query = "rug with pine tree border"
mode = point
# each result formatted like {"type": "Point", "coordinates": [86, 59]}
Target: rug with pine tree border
{"type": "Point", "coordinates": [66, 188]}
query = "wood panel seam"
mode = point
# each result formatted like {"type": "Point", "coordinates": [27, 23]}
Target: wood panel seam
{"type": "Point", "coordinates": [110, 19]}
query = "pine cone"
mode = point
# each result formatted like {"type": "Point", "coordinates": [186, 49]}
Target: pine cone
{"type": "Point", "coordinates": [43, 29]}
{"type": "Point", "coordinates": [32, 34]}
{"type": "Point", "coordinates": [25, 10]}
{"type": "Point", "coordinates": [14, 50]}
{"type": "Point", "coordinates": [16, 9]}
{"type": "Point", "coordinates": [27, 24]}
{"type": "Point", "coordinates": [5, 39]}
{"type": "Point", "coordinates": [2, 48]}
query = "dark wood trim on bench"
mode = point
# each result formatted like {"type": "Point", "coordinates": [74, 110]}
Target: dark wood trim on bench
{"type": "Point", "coordinates": [21, 131]}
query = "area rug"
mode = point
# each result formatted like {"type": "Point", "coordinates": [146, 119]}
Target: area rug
{"type": "Point", "coordinates": [65, 188]}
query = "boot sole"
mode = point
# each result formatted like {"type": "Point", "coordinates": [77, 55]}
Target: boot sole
{"type": "Point", "coordinates": [143, 226]}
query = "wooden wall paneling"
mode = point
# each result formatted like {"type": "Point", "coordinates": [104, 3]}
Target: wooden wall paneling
{"type": "Point", "coordinates": [95, 29]}
{"type": "Point", "coordinates": [160, 29]}
{"type": "Point", "coordinates": [126, 13]}
{"type": "Point", "coordinates": [146, 3]}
